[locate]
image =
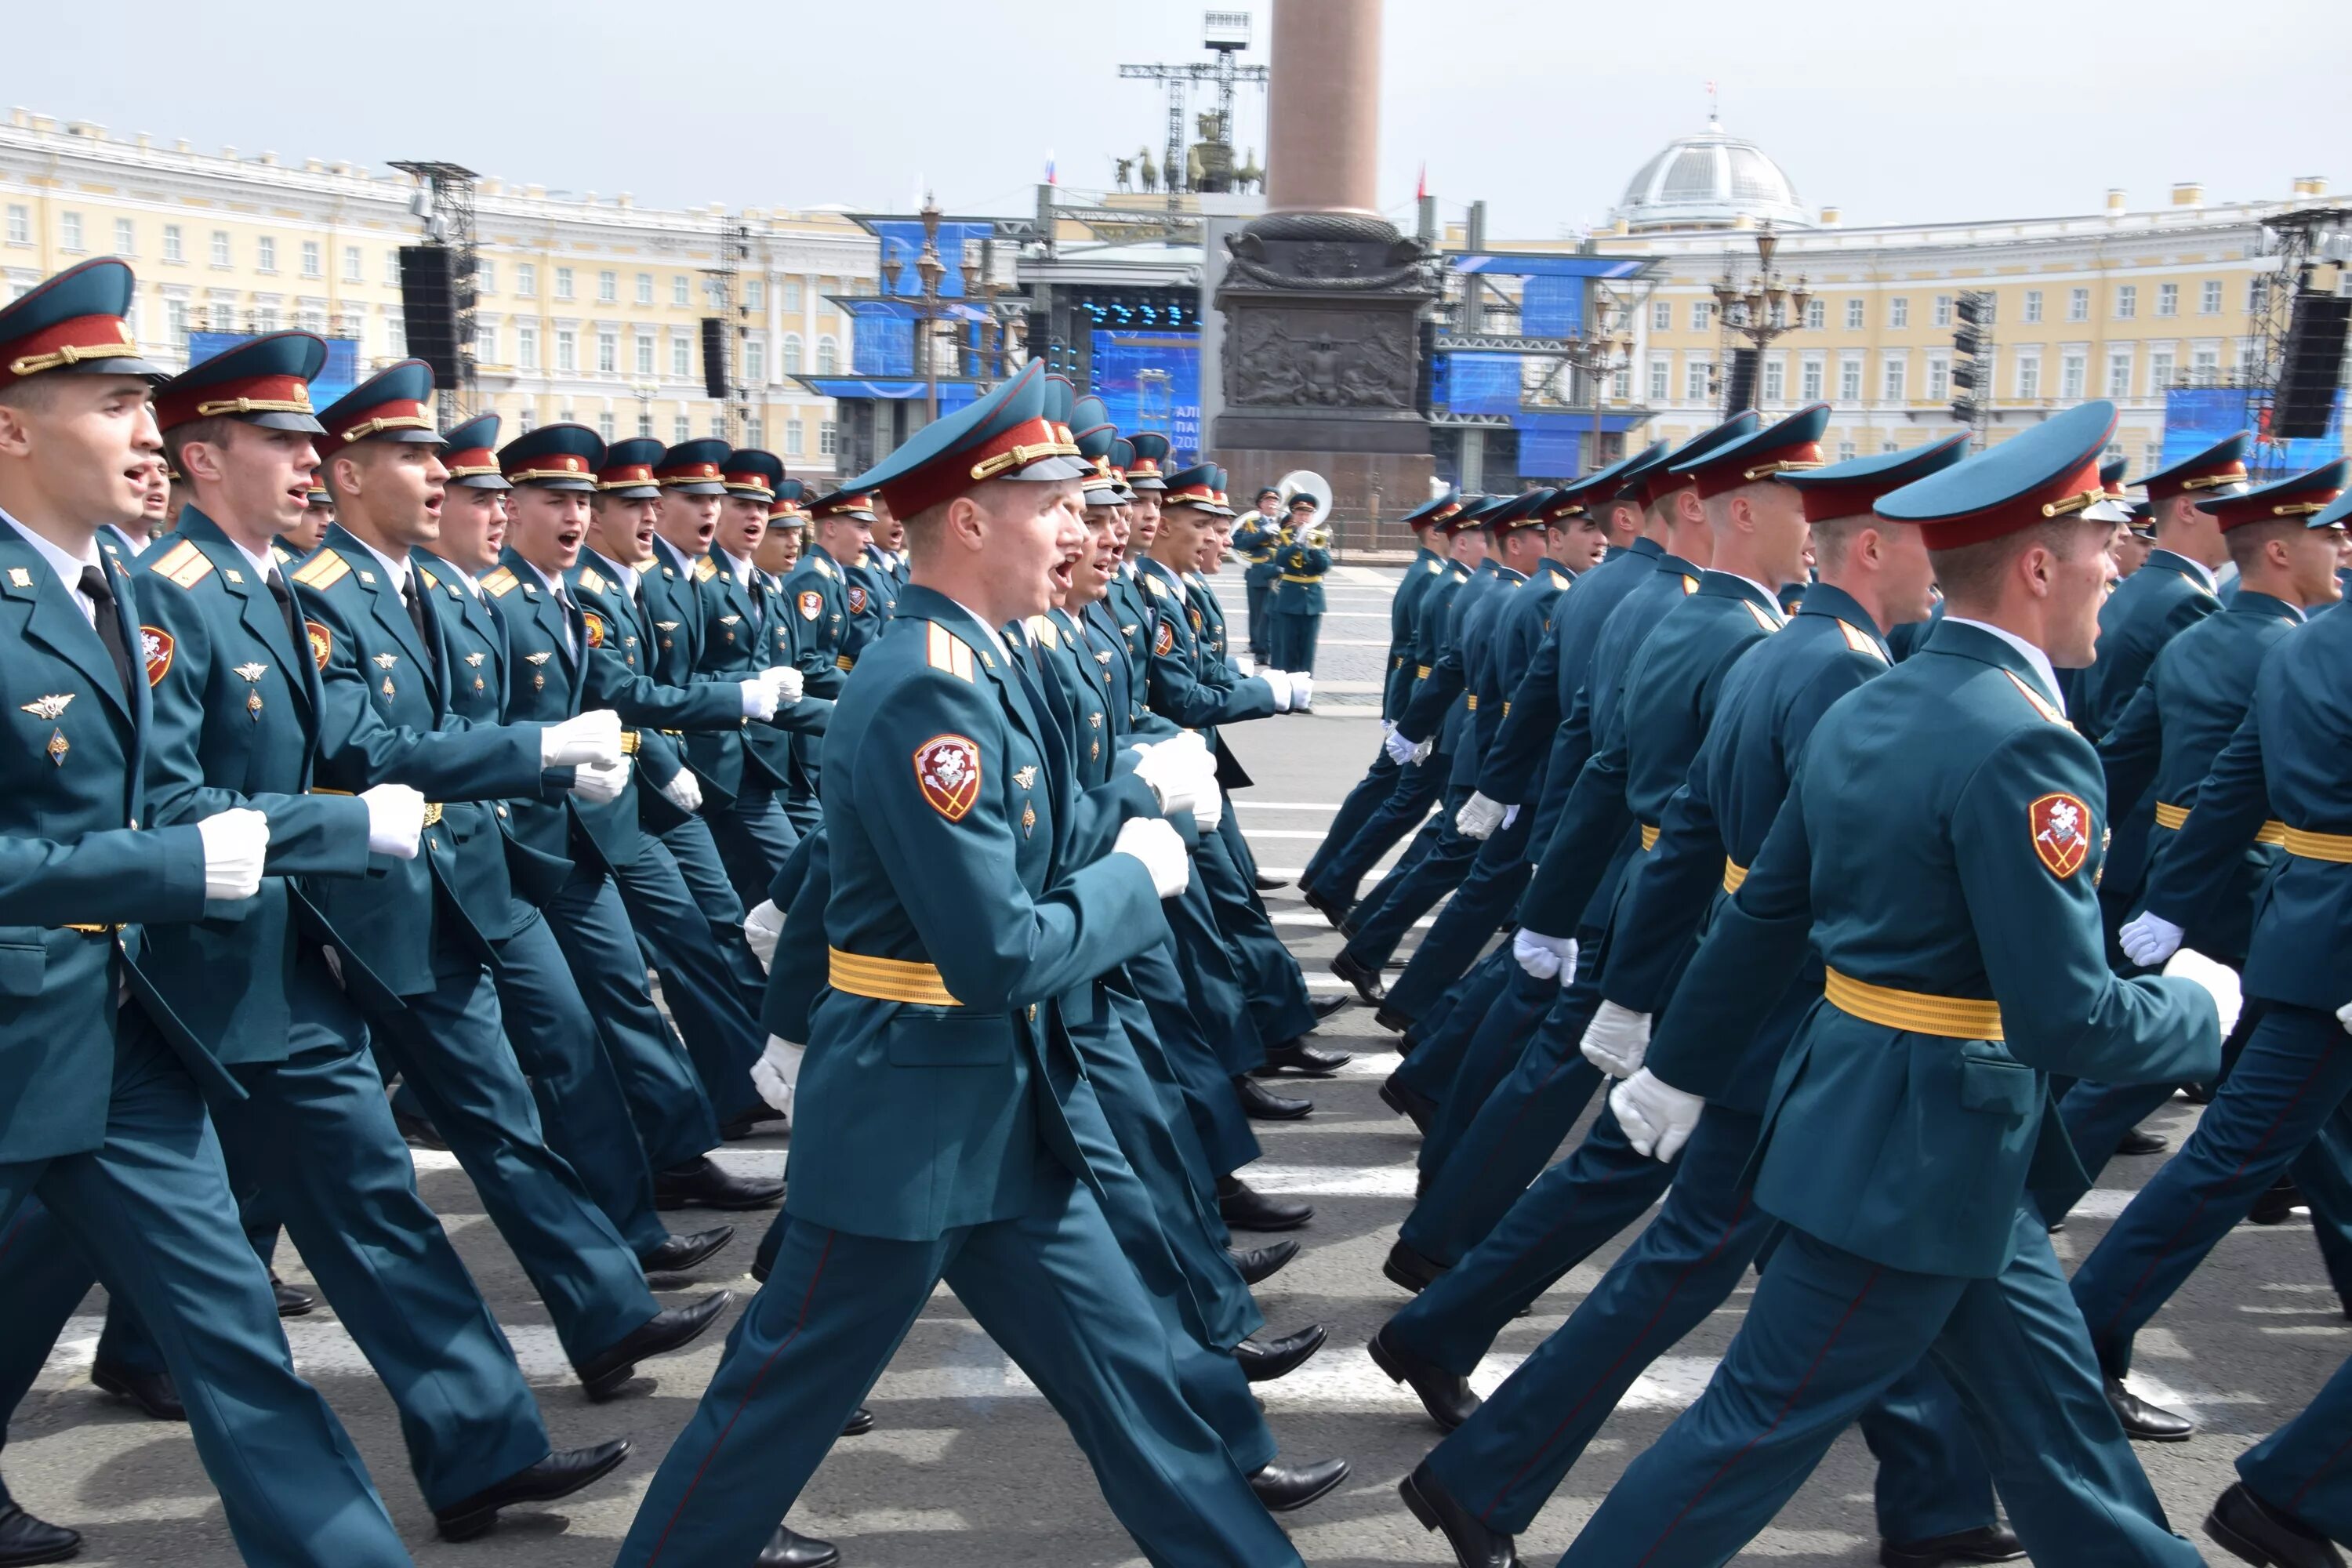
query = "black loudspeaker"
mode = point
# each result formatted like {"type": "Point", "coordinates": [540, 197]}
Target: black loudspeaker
{"type": "Point", "coordinates": [2314, 368]}
{"type": "Point", "coordinates": [429, 308]}
{"type": "Point", "coordinates": [1740, 389]}
{"type": "Point", "coordinates": [714, 357]}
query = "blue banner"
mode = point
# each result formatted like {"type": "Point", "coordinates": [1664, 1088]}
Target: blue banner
{"type": "Point", "coordinates": [884, 340]}
{"type": "Point", "coordinates": [2196, 417]}
{"type": "Point", "coordinates": [1476, 384]}
{"type": "Point", "coordinates": [902, 242]}
{"type": "Point", "coordinates": [341, 374]}
{"type": "Point", "coordinates": [1152, 380]}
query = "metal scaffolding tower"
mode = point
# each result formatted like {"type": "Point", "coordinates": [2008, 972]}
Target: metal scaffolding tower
{"type": "Point", "coordinates": [448, 214]}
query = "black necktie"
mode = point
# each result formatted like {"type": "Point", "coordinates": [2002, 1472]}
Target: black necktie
{"type": "Point", "coordinates": [416, 608]}
{"type": "Point", "coordinates": [109, 624]}
{"type": "Point", "coordinates": [285, 597]}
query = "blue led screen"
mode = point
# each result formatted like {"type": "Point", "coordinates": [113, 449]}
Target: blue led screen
{"type": "Point", "coordinates": [1152, 380]}
{"type": "Point", "coordinates": [341, 374]}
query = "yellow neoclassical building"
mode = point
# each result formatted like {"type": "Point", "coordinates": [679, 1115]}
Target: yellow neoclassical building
{"type": "Point", "coordinates": [589, 306]}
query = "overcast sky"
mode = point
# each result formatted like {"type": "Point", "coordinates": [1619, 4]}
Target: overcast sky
{"type": "Point", "coordinates": [1894, 110]}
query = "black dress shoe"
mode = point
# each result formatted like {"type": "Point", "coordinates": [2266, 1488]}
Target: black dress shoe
{"type": "Point", "coordinates": [1262, 1104]}
{"type": "Point", "coordinates": [1446, 1396]}
{"type": "Point", "coordinates": [416, 1131]}
{"type": "Point", "coordinates": [707, 1184]}
{"type": "Point", "coordinates": [752, 1125]}
{"type": "Point", "coordinates": [25, 1541]}
{"type": "Point", "coordinates": [1985, 1543]}
{"type": "Point", "coordinates": [1263, 1361]}
{"type": "Point", "coordinates": [1285, 1489]}
{"type": "Point", "coordinates": [1408, 1103]}
{"type": "Point", "coordinates": [1299, 1056]}
{"type": "Point", "coordinates": [1243, 1207]}
{"type": "Point", "coordinates": [2140, 1141]}
{"type": "Point", "coordinates": [559, 1475]}
{"type": "Point", "coordinates": [860, 1422]}
{"type": "Point", "coordinates": [1365, 980]}
{"type": "Point", "coordinates": [1327, 1007]}
{"type": "Point", "coordinates": [789, 1549]}
{"type": "Point", "coordinates": [291, 1303]}
{"type": "Point", "coordinates": [679, 1252]}
{"type": "Point", "coordinates": [2277, 1205]}
{"type": "Point", "coordinates": [1412, 1271]}
{"type": "Point", "coordinates": [1474, 1545]}
{"type": "Point", "coordinates": [2255, 1532]}
{"type": "Point", "coordinates": [1331, 909]}
{"type": "Point", "coordinates": [2196, 1093]}
{"type": "Point", "coordinates": [152, 1392]}
{"type": "Point", "coordinates": [673, 1328]}
{"type": "Point", "coordinates": [2145, 1422]}
{"type": "Point", "coordinates": [1394, 1022]}
{"type": "Point", "coordinates": [1267, 884]}
{"type": "Point", "coordinates": [1263, 1262]}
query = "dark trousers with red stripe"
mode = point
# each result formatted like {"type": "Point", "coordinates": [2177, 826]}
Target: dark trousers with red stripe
{"type": "Point", "coordinates": [1051, 1289]}
{"type": "Point", "coordinates": [1509, 1457]}
{"type": "Point", "coordinates": [2305, 1467]}
{"type": "Point", "coordinates": [2294, 1073]}
{"type": "Point", "coordinates": [1827, 1335]}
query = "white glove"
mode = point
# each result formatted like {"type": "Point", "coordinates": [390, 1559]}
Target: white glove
{"type": "Point", "coordinates": [1510, 814]}
{"type": "Point", "coordinates": [2148, 938]}
{"type": "Point", "coordinates": [2344, 1017]}
{"type": "Point", "coordinates": [759, 697]}
{"type": "Point", "coordinates": [1280, 683]}
{"type": "Point", "coordinates": [1151, 840]}
{"type": "Point", "coordinates": [1658, 1118]}
{"type": "Point", "coordinates": [1209, 807]}
{"type": "Point", "coordinates": [1402, 751]}
{"type": "Point", "coordinates": [789, 683]}
{"type": "Point", "coordinates": [1541, 955]}
{"type": "Point", "coordinates": [600, 784]}
{"type": "Point", "coordinates": [684, 792]}
{"type": "Point", "coordinates": [234, 844]}
{"type": "Point", "coordinates": [1616, 1040]}
{"type": "Point", "coordinates": [589, 737]}
{"type": "Point", "coordinates": [761, 930]}
{"type": "Point", "coordinates": [1478, 818]}
{"type": "Point", "coordinates": [776, 1073]}
{"type": "Point", "coordinates": [396, 820]}
{"type": "Point", "coordinates": [1179, 770]}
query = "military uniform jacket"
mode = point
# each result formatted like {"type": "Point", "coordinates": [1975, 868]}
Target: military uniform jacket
{"type": "Point", "coordinates": [1432, 708]}
{"type": "Point", "coordinates": [1187, 684]}
{"type": "Point", "coordinates": [960, 925]}
{"type": "Point", "coordinates": [72, 852]}
{"type": "Point", "coordinates": [1299, 578]}
{"type": "Point", "coordinates": [387, 717]}
{"type": "Point", "coordinates": [2164, 598]}
{"type": "Point", "coordinates": [1650, 735]}
{"type": "Point", "coordinates": [2288, 762]}
{"type": "Point", "coordinates": [1484, 690]}
{"type": "Point", "coordinates": [1940, 843]}
{"type": "Point", "coordinates": [1254, 541]}
{"type": "Point", "coordinates": [236, 705]}
{"type": "Point", "coordinates": [1522, 751]}
{"type": "Point", "coordinates": [881, 579]}
{"type": "Point", "coordinates": [618, 626]}
{"type": "Point", "coordinates": [1420, 576]}
{"type": "Point", "coordinates": [1764, 714]}
{"type": "Point", "coordinates": [817, 607]}
{"type": "Point", "coordinates": [736, 645]}
{"type": "Point", "coordinates": [476, 636]}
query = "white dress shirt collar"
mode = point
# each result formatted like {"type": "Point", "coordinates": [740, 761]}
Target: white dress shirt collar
{"type": "Point", "coordinates": [2033, 657]}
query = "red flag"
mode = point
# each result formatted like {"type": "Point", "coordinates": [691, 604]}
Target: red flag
{"type": "Point", "coordinates": [1420, 191]}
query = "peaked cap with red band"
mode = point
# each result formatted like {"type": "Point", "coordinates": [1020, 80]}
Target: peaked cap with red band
{"type": "Point", "coordinates": [74, 321]}
{"type": "Point", "coordinates": [748, 471]}
{"type": "Point", "coordinates": [555, 457]}
{"type": "Point", "coordinates": [470, 454]}
{"type": "Point", "coordinates": [1474, 513]}
{"type": "Point", "coordinates": [854, 502]}
{"type": "Point", "coordinates": [1003, 436]}
{"type": "Point", "coordinates": [1791, 446]}
{"type": "Point", "coordinates": [2212, 470]}
{"type": "Point", "coordinates": [1148, 472]}
{"type": "Point", "coordinates": [389, 405]}
{"type": "Point", "coordinates": [787, 507]}
{"type": "Point", "coordinates": [1518, 512]}
{"type": "Point", "coordinates": [2050, 471]}
{"type": "Point", "coordinates": [1656, 481]}
{"type": "Point", "coordinates": [263, 381]}
{"type": "Point", "coordinates": [628, 470]}
{"type": "Point", "coordinates": [1604, 486]}
{"type": "Point", "coordinates": [1853, 488]}
{"type": "Point", "coordinates": [2304, 496]}
{"type": "Point", "coordinates": [695, 467]}
{"type": "Point", "coordinates": [1434, 510]}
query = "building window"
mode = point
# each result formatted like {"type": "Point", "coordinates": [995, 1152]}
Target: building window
{"type": "Point", "coordinates": [486, 345]}
{"type": "Point", "coordinates": [604, 425]}
{"type": "Point", "coordinates": [828, 355]}
{"type": "Point", "coordinates": [527, 280]}
{"type": "Point", "coordinates": [1943, 317]}
{"type": "Point", "coordinates": [718, 426]}
{"type": "Point", "coordinates": [1894, 370]}
{"type": "Point", "coordinates": [220, 247]}
{"type": "Point", "coordinates": [1702, 315]}
{"type": "Point", "coordinates": [1659, 371]}
{"type": "Point", "coordinates": [527, 346]}
{"type": "Point", "coordinates": [486, 277]}
{"type": "Point", "coordinates": [755, 298]}
{"type": "Point", "coordinates": [608, 352]}
{"type": "Point", "coordinates": [1850, 381]}
{"type": "Point", "coordinates": [645, 423]}
{"type": "Point", "coordinates": [1776, 380]}
{"type": "Point", "coordinates": [311, 319]}
{"type": "Point", "coordinates": [791, 353]}
{"type": "Point", "coordinates": [567, 349]}
{"type": "Point", "coordinates": [2209, 301]}
{"type": "Point", "coordinates": [680, 367]}
{"type": "Point", "coordinates": [20, 224]}
{"type": "Point", "coordinates": [2032, 305]}
{"type": "Point", "coordinates": [1694, 374]}
{"type": "Point", "coordinates": [126, 238]}
{"type": "Point", "coordinates": [2074, 368]}
{"type": "Point", "coordinates": [755, 434]}
{"type": "Point", "coordinates": [173, 247]}
{"type": "Point", "coordinates": [1661, 315]}
{"type": "Point", "coordinates": [313, 263]}
{"type": "Point", "coordinates": [678, 295]}
{"type": "Point", "coordinates": [563, 283]}
{"type": "Point", "coordinates": [608, 287]}
{"type": "Point", "coordinates": [1854, 315]}
{"type": "Point", "coordinates": [755, 363]}
{"type": "Point", "coordinates": [2159, 370]}
{"type": "Point", "coordinates": [2029, 376]}
{"type": "Point", "coordinates": [2258, 295]}
{"type": "Point", "coordinates": [70, 231]}
{"type": "Point", "coordinates": [351, 263]}
{"type": "Point", "coordinates": [1899, 311]}
{"type": "Point", "coordinates": [795, 443]}
{"type": "Point", "coordinates": [645, 353]}
{"type": "Point", "coordinates": [265, 254]}
{"type": "Point", "coordinates": [2126, 301]}
{"type": "Point", "coordinates": [2205, 367]}
{"type": "Point", "coordinates": [395, 334]}
{"type": "Point", "coordinates": [791, 294]}
{"type": "Point", "coordinates": [175, 323]}
{"type": "Point", "coordinates": [1940, 378]}
{"type": "Point", "coordinates": [2167, 299]}
{"type": "Point", "coordinates": [644, 288]}
{"type": "Point", "coordinates": [2120, 368]}
{"type": "Point", "coordinates": [1809, 381]}
{"type": "Point", "coordinates": [827, 442]}
{"type": "Point", "coordinates": [681, 429]}
{"type": "Point", "coordinates": [1620, 386]}
{"type": "Point", "coordinates": [2078, 304]}
{"type": "Point", "coordinates": [1817, 314]}
{"type": "Point", "coordinates": [392, 268]}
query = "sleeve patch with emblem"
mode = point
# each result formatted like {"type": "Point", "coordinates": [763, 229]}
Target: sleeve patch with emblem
{"type": "Point", "coordinates": [812, 603]}
{"type": "Point", "coordinates": [2062, 833]}
{"type": "Point", "coordinates": [322, 642]}
{"type": "Point", "coordinates": [595, 624]}
{"type": "Point", "coordinates": [157, 646]}
{"type": "Point", "coordinates": [947, 767]}
{"type": "Point", "coordinates": [857, 600]}
{"type": "Point", "coordinates": [1164, 639]}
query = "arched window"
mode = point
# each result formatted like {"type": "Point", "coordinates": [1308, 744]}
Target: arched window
{"type": "Point", "coordinates": [791, 353]}
{"type": "Point", "coordinates": [828, 355]}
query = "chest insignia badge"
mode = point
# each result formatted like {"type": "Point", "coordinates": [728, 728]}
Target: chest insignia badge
{"type": "Point", "coordinates": [58, 748]}
{"type": "Point", "coordinates": [386, 660]}
{"type": "Point", "coordinates": [475, 659]}
{"type": "Point", "coordinates": [1025, 777]}
{"type": "Point", "coordinates": [539, 658]}
{"type": "Point", "coordinates": [251, 672]}
{"type": "Point", "coordinates": [51, 707]}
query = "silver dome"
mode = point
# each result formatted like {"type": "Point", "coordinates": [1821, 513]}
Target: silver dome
{"type": "Point", "coordinates": [1710, 180]}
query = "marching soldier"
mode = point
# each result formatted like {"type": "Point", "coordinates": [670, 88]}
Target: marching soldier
{"type": "Point", "coordinates": [1261, 531]}
{"type": "Point", "coordinates": [1300, 560]}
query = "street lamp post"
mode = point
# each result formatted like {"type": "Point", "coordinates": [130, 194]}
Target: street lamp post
{"type": "Point", "coordinates": [645, 391]}
{"type": "Point", "coordinates": [1759, 309]}
{"type": "Point", "coordinates": [1599, 355]}
{"type": "Point", "coordinates": [931, 269]}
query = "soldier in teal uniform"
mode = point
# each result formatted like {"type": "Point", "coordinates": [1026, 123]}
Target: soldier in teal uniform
{"type": "Point", "coordinates": [106, 1144]}
{"type": "Point", "coordinates": [2283, 769]}
{"type": "Point", "coordinates": [1909, 1134]}
{"type": "Point", "coordinates": [1301, 561]}
{"type": "Point", "coordinates": [415, 956]}
{"type": "Point", "coordinates": [779, 557]}
{"type": "Point", "coordinates": [963, 931]}
{"type": "Point", "coordinates": [815, 605]}
{"type": "Point", "coordinates": [1261, 531]}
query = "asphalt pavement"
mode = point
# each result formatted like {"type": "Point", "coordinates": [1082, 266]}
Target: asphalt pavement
{"type": "Point", "coordinates": [967, 1466]}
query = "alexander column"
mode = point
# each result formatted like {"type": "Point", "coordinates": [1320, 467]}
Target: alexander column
{"type": "Point", "coordinates": [1322, 297]}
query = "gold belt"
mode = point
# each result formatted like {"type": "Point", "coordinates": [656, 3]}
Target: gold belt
{"type": "Point", "coordinates": [2273, 831]}
{"type": "Point", "coordinates": [1294, 577]}
{"type": "Point", "coordinates": [888, 979]}
{"type": "Point", "coordinates": [629, 742]}
{"type": "Point", "coordinates": [432, 807]}
{"type": "Point", "coordinates": [1953, 1017]}
{"type": "Point", "coordinates": [1649, 836]}
{"type": "Point", "coordinates": [2306, 845]}
{"type": "Point", "coordinates": [93, 930]}
{"type": "Point", "coordinates": [1733, 875]}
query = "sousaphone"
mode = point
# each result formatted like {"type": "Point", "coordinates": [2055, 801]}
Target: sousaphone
{"type": "Point", "coordinates": [1308, 482]}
